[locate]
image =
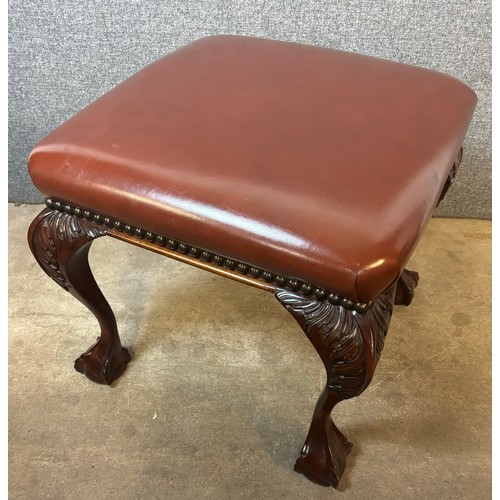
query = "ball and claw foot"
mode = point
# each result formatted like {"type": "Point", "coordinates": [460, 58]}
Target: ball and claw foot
{"type": "Point", "coordinates": [324, 463]}
{"type": "Point", "coordinates": [101, 364]}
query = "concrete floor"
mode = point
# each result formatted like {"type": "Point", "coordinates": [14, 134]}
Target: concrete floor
{"type": "Point", "coordinates": [217, 401]}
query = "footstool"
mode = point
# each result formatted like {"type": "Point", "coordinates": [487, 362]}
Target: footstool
{"type": "Point", "coordinates": [306, 172]}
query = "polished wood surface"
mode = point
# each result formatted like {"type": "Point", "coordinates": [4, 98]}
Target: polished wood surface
{"type": "Point", "coordinates": [349, 344]}
{"type": "Point", "coordinates": [307, 172]}
{"type": "Point", "coordinates": [60, 243]}
{"type": "Point", "coordinates": [405, 287]}
{"type": "Point", "coordinates": [207, 266]}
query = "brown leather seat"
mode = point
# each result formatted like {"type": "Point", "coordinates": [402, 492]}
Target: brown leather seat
{"type": "Point", "coordinates": [307, 162]}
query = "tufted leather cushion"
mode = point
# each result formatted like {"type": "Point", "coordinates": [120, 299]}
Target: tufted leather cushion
{"type": "Point", "coordinates": [308, 162]}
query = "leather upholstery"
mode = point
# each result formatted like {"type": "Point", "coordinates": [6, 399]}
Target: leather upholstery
{"type": "Point", "coordinates": [308, 162]}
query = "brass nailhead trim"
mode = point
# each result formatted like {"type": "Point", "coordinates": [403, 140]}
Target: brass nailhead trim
{"type": "Point", "coordinates": [198, 253]}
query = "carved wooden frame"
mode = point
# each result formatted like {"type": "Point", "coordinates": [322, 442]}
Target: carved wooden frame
{"type": "Point", "coordinates": [349, 337]}
{"type": "Point", "coordinates": [60, 243]}
{"type": "Point", "coordinates": [349, 344]}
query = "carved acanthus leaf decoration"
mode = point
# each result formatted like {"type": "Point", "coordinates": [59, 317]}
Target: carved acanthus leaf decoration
{"type": "Point", "coordinates": [349, 343]}
{"type": "Point", "coordinates": [55, 228]}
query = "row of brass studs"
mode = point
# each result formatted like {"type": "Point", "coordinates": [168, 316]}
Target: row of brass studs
{"type": "Point", "coordinates": [198, 253]}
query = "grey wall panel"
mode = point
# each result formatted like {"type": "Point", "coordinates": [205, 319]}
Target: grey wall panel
{"type": "Point", "coordinates": [64, 54]}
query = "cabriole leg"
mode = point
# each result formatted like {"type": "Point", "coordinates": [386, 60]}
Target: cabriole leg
{"type": "Point", "coordinates": [349, 344]}
{"type": "Point", "coordinates": [60, 243]}
{"type": "Point", "coordinates": [405, 287]}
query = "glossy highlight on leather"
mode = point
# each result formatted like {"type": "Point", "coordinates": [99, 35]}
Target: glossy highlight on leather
{"type": "Point", "coordinates": [308, 162]}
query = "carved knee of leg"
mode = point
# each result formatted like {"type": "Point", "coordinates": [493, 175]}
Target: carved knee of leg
{"type": "Point", "coordinates": [349, 343]}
